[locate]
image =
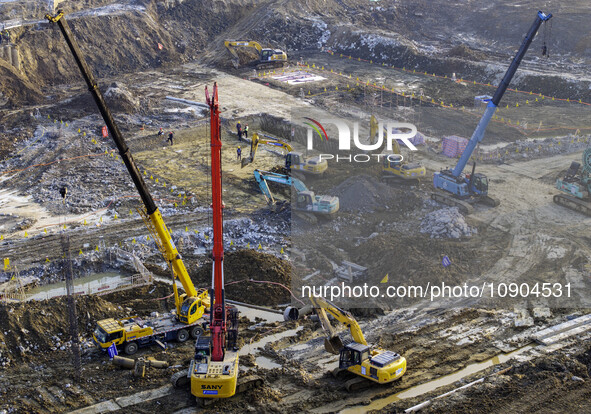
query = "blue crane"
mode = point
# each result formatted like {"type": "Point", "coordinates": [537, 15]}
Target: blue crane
{"type": "Point", "coordinates": [467, 188]}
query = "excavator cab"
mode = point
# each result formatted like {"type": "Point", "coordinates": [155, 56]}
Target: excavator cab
{"type": "Point", "coordinates": [266, 55]}
{"type": "Point", "coordinates": [191, 310]}
{"type": "Point", "coordinates": [304, 200]}
{"type": "Point", "coordinates": [353, 354]}
{"type": "Point", "coordinates": [480, 184]}
{"type": "Point", "coordinates": [292, 159]}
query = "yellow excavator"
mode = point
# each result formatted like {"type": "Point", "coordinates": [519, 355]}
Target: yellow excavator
{"type": "Point", "coordinates": [392, 166]}
{"type": "Point", "coordinates": [268, 58]}
{"type": "Point", "coordinates": [374, 364]}
{"type": "Point", "coordinates": [294, 161]}
{"type": "Point", "coordinates": [133, 332]}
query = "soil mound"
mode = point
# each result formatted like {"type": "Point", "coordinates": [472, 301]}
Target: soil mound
{"type": "Point", "coordinates": [363, 193]}
{"type": "Point", "coordinates": [244, 273]}
{"type": "Point", "coordinates": [28, 329]}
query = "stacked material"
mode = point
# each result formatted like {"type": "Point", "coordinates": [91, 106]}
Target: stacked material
{"type": "Point", "coordinates": [453, 145]}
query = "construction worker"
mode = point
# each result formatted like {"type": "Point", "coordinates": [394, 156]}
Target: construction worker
{"type": "Point", "coordinates": [239, 129]}
{"type": "Point", "coordinates": [246, 131]}
{"type": "Point", "coordinates": [161, 132]}
{"type": "Point", "coordinates": [239, 153]}
{"type": "Point", "coordinates": [170, 137]}
{"type": "Point", "coordinates": [64, 192]}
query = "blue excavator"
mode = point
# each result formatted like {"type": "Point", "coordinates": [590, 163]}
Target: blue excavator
{"type": "Point", "coordinates": [454, 187]}
{"type": "Point", "coordinates": [306, 204]}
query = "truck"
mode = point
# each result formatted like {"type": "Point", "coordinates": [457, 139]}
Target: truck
{"type": "Point", "coordinates": [133, 332]}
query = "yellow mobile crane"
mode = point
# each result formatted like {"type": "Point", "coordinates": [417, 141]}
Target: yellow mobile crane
{"type": "Point", "coordinates": [294, 161]}
{"type": "Point", "coordinates": [373, 364]}
{"type": "Point", "coordinates": [133, 332]}
{"type": "Point", "coordinates": [268, 58]}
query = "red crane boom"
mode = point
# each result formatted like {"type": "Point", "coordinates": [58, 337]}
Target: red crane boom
{"type": "Point", "coordinates": [218, 314]}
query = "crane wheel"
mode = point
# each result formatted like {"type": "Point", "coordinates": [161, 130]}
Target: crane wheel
{"type": "Point", "coordinates": [196, 331]}
{"type": "Point", "coordinates": [180, 379]}
{"type": "Point", "coordinates": [182, 335]}
{"type": "Point", "coordinates": [131, 348]}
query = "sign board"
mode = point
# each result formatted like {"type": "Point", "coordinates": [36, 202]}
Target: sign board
{"type": "Point", "coordinates": [105, 132]}
{"type": "Point", "coordinates": [112, 350]}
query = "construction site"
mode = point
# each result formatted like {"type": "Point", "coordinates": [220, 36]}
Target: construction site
{"type": "Point", "coordinates": [316, 206]}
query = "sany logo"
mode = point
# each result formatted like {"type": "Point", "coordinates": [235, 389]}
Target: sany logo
{"type": "Point", "coordinates": [345, 134]}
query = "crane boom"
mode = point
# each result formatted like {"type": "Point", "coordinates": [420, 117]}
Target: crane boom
{"type": "Point", "coordinates": [155, 217]}
{"type": "Point", "coordinates": [218, 314]}
{"type": "Point", "coordinates": [494, 102]}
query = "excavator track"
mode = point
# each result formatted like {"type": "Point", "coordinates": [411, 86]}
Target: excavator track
{"type": "Point", "coordinates": [463, 206]}
{"type": "Point", "coordinates": [272, 65]}
{"type": "Point", "coordinates": [307, 217]}
{"type": "Point", "coordinates": [573, 203]}
{"type": "Point", "coordinates": [358, 384]}
{"type": "Point", "coordinates": [490, 201]}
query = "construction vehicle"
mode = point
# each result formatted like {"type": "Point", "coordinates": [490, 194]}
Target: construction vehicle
{"type": "Point", "coordinates": [213, 372]}
{"type": "Point", "coordinates": [369, 364]}
{"type": "Point", "coordinates": [576, 186]}
{"type": "Point", "coordinates": [133, 332]}
{"type": "Point", "coordinates": [190, 305]}
{"type": "Point", "coordinates": [307, 204]}
{"type": "Point", "coordinates": [459, 189]}
{"type": "Point", "coordinates": [268, 58]}
{"type": "Point", "coordinates": [295, 162]}
{"type": "Point", "coordinates": [394, 165]}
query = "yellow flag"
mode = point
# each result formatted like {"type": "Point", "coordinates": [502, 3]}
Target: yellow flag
{"type": "Point", "coordinates": [385, 279]}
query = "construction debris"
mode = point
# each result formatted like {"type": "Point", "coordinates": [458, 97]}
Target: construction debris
{"type": "Point", "coordinates": [447, 222]}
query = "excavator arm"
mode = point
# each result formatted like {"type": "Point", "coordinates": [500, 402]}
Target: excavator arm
{"type": "Point", "coordinates": [154, 218]}
{"type": "Point", "coordinates": [333, 343]}
{"type": "Point", "coordinates": [254, 144]}
{"type": "Point", "coordinates": [231, 45]}
{"type": "Point", "coordinates": [261, 178]}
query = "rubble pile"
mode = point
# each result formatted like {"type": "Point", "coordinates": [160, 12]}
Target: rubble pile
{"type": "Point", "coordinates": [446, 223]}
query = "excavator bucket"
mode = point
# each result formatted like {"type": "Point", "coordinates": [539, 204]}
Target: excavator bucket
{"type": "Point", "coordinates": [245, 161]}
{"type": "Point", "coordinates": [333, 345]}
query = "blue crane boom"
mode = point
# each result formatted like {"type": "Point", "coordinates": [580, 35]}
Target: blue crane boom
{"type": "Point", "coordinates": [494, 102]}
{"type": "Point", "coordinates": [475, 186]}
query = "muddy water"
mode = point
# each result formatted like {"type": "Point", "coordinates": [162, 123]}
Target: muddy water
{"type": "Point", "coordinates": [92, 283]}
{"type": "Point", "coordinates": [412, 392]}
{"type": "Point", "coordinates": [262, 361]}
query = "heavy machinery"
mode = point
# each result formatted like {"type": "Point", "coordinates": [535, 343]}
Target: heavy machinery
{"type": "Point", "coordinates": [396, 168]}
{"type": "Point", "coordinates": [295, 162]}
{"type": "Point", "coordinates": [306, 202]}
{"type": "Point", "coordinates": [576, 186]}
{"type": "Point", "coordinates": [190, 305]}
{"type": "Point", "coordinates": [459, 189]}
{"type": "Point", "coordinates": [213, 372]}
{"type": "Point", "coordinates": [268, 58]}
{"type": "Point", "coordinates": [367, 363]}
